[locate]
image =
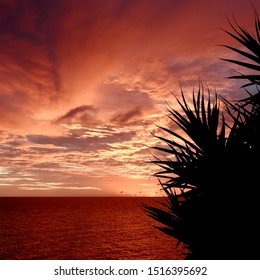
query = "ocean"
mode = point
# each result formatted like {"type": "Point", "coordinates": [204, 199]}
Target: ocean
{"type": "Point", "coordinates": [82, 228]}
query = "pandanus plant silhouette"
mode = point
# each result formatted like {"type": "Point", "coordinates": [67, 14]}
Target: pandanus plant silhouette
{"type": "Point", "coordinates": [209, 171]}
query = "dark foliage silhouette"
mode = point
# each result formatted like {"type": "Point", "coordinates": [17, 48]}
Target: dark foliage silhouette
{"type": "Point", "coordinates": [209, 172]}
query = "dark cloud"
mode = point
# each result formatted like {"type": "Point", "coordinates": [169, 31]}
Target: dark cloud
{"type": "Point", "coordinates": [128, 116]}
{"type": "Point", "coordinates": [46, 165]}
{"type": "Point", "coordinates": [83, 115]}
{"type": "Point", "coordinates": [10, 143]}
{"type": "Point", "coordinates": [45, 151]}
{"type": "Point", "coordinates": [81, 144]}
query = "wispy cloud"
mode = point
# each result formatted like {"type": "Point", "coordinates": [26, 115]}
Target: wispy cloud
{"type": "Point", "coordinates": [84, 115]}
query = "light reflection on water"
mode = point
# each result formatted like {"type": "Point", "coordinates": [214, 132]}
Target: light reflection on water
{"type": "Point", "coordinates": [81, 228]}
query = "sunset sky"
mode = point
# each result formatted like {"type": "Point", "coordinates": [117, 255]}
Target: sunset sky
{"type": "Point", "coordinates": [83, 84]}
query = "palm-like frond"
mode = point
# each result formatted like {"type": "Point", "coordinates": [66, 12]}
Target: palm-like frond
{"type": "Point", "coordinates": [252, 44]}
{"type": "Point", "coordinates": [188, 166]}
{"type": "Point", "coordinates": [246, 110]}
{"type": "Point", "coordinates": [203, 138]}
{"type": "Point", "coordinates": [210, 172]}
{"type": "Point", "coordinates": [204, 176]}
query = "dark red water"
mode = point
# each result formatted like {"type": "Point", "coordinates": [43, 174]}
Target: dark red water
{"type": "Point", "coordinates": [81, 228]}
